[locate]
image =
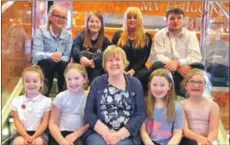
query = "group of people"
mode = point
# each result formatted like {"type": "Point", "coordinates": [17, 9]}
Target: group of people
{"type": "Point", "coordinates": [115, 111]}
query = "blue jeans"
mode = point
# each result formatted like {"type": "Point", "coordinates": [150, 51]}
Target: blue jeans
{"type": "Point", "coordinates": [96, 139]}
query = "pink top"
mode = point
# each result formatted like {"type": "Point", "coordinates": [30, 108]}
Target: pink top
{"type": "Point", "coordinates": [198, 119]}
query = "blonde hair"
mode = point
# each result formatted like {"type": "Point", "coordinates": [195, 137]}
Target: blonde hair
{"type": "Point", "coordinates": [141, 39]}
{"type": "Point", "coordinates": [52, 8]}
{"type": "Point", "coordinates": [113, 50]}
{"type": "Point", "coordinates": [36, 69]}
{"type": "Point", "coordinates": [79, 68]}
{"type": "Point", "coordinates": [194, 72]}
{"type": "Point", "coordinates": [170, 98]}
{"type": "Point", "coordinates": [87, 40]}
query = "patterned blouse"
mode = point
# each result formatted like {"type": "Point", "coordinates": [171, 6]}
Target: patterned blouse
{"type": "Point", "coordinates": [115, 107]}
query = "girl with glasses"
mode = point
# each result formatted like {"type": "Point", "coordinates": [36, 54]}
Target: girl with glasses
{"type": "Point", "coordinates": [201, 114]}
{"type": "Point", "coordinates": [52, 47]}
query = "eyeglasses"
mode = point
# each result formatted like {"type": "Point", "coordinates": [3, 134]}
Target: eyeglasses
{"type": "Point", "coordinates": [192, 82]}
{"type": "Point", "coordinates": [59, 17]}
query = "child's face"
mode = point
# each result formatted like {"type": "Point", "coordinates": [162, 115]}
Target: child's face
{"type": "Point", "coordinates": [195, 86]}
{"type": "Point", "coordinates": [159, 87]}
{"type": "Point", "coordinates": [75, 81]}
{"type": "Point", "coordinates": [32, 83]}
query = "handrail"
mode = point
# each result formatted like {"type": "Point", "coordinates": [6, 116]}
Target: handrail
{"type": "Point", "coordinates": [6, 5]}
{"type": "Point", "coordinates": [222, 8]}
{"type": "Point", "coordinates": [7, 107]}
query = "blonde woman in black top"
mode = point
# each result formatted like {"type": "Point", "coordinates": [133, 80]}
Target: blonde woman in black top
{"type": "Point", "coordinates": [136, 43]}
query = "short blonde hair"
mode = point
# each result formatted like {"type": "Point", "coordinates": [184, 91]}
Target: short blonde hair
{"type": "Point", "coordinates": [36, 69]}
{"type": "Point", "coordinates": [113, 50]}
{"type": "Point", "coordinates": [79, 68]}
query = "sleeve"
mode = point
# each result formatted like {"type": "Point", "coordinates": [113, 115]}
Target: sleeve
{"type": "Point", "coordinates": [76, 48]}
{"type": "Point", "coordinates": [116, 37]}
{"type": "Point", "coordinates": [145, 53]}
{"type": "Point", "coordinates": [14, 105]}
{"type": "Point", "coordinates": [179, 118]}
{"type": "Point", "coordinates": [136, 120]}
{"type": "Point", "coordinates": [106, 43]}
{"type": "Point", "coordinates": [158, 46]}
{"type": "Point", "coordinates": [48, 105]}
{"type": "Point", "coordinates": [91, 116]}
{"type": "Point", "coordinates": [58, 101]}
{"type": "Point", "coordinates": [193, 50]}
{"type": "Point", "coordinates": [38, 47]}
{"type": "Point", "coordinates": [68, 48]}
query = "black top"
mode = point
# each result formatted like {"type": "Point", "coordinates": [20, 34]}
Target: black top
{"type": "Point", "coordinates": [137, 57]}
{"type": "Point", "coordinates": [78, 47]}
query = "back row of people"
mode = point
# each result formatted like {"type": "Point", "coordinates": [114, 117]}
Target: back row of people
{"type": "Point", "coordinates": [174, 48]}
{"type": "Point", "coordinates": [115, 110]}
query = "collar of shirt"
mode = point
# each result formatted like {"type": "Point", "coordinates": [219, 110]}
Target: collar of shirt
{"type": "Point", "coordinates": [182, 33]}
{"type": "Point", "coordinates": [26, 99]}
{"type": "Point", "coordinates": [56, 36]}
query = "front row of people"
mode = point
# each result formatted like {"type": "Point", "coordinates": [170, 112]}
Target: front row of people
{"type": "Point", "coordinates": [115, 110]}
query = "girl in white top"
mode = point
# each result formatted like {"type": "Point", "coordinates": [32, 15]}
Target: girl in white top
{"type": "Point", "coordinates": [202, 115]}
{"type": "Point", "coordinates": [67, 116]}
{"type": "Point", "coordinates": [31, 111]}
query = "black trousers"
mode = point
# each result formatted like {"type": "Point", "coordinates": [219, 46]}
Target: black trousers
{"type": "Point", "coordinates": [52, 141]}
{"type": "Point", "coordinates": [176, 75]}
{"type": "Point", "coordinates": [94, 72]}
{"type": "Point", "coordinates": [49, 68]}
{"type": "Point", "coordinates": [143, 75]}
{"type": "Point", "coordinates": [186, 141]}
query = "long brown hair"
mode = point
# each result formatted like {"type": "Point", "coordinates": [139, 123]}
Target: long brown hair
{"type": "Point", "coordinates": [141, 40]}
{"type": "Point", "coordinates": [87, 39]}
{"type": "Point", "coordinates": [169, 98]}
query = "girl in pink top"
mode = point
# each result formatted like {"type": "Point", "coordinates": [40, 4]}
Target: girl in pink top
{"type": "Point", "coordinates": [201, 114]}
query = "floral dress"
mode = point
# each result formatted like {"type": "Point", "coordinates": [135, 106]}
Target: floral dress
{"type": "Point", "coordinates": [115, 107]}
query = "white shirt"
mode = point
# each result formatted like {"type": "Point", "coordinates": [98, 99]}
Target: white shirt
{"type": "Point", "coordinates": [72, 110]}
{"type": "Point", "coordinates": [184, 47]}
{"type": "Point", "coordinates": [31, 110]}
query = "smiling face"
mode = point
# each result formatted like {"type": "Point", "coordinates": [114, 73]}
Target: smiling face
{"type": "Point", "coordinates": [75, 80]}
{"type": "Point", "coordinates": [94, 24]}
{"type": "Point", "coordinates": [195, 86]}
{"type": "Point", "coordinates": [114, 65]}
{"type": "Point", "coordinates": [175, 22]}
{"type": "Point", "coordinates": [159, 87]}
{"type": "Point", "coordinates": [58, 18]}
{"type": "Point", "coordinates": [32, 83]}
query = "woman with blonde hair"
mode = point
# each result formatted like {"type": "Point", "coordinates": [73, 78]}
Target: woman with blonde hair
{"type": "Point", "coordinates": [136, 44]}
{"type": "Point", "coordinates": [52, 48]}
